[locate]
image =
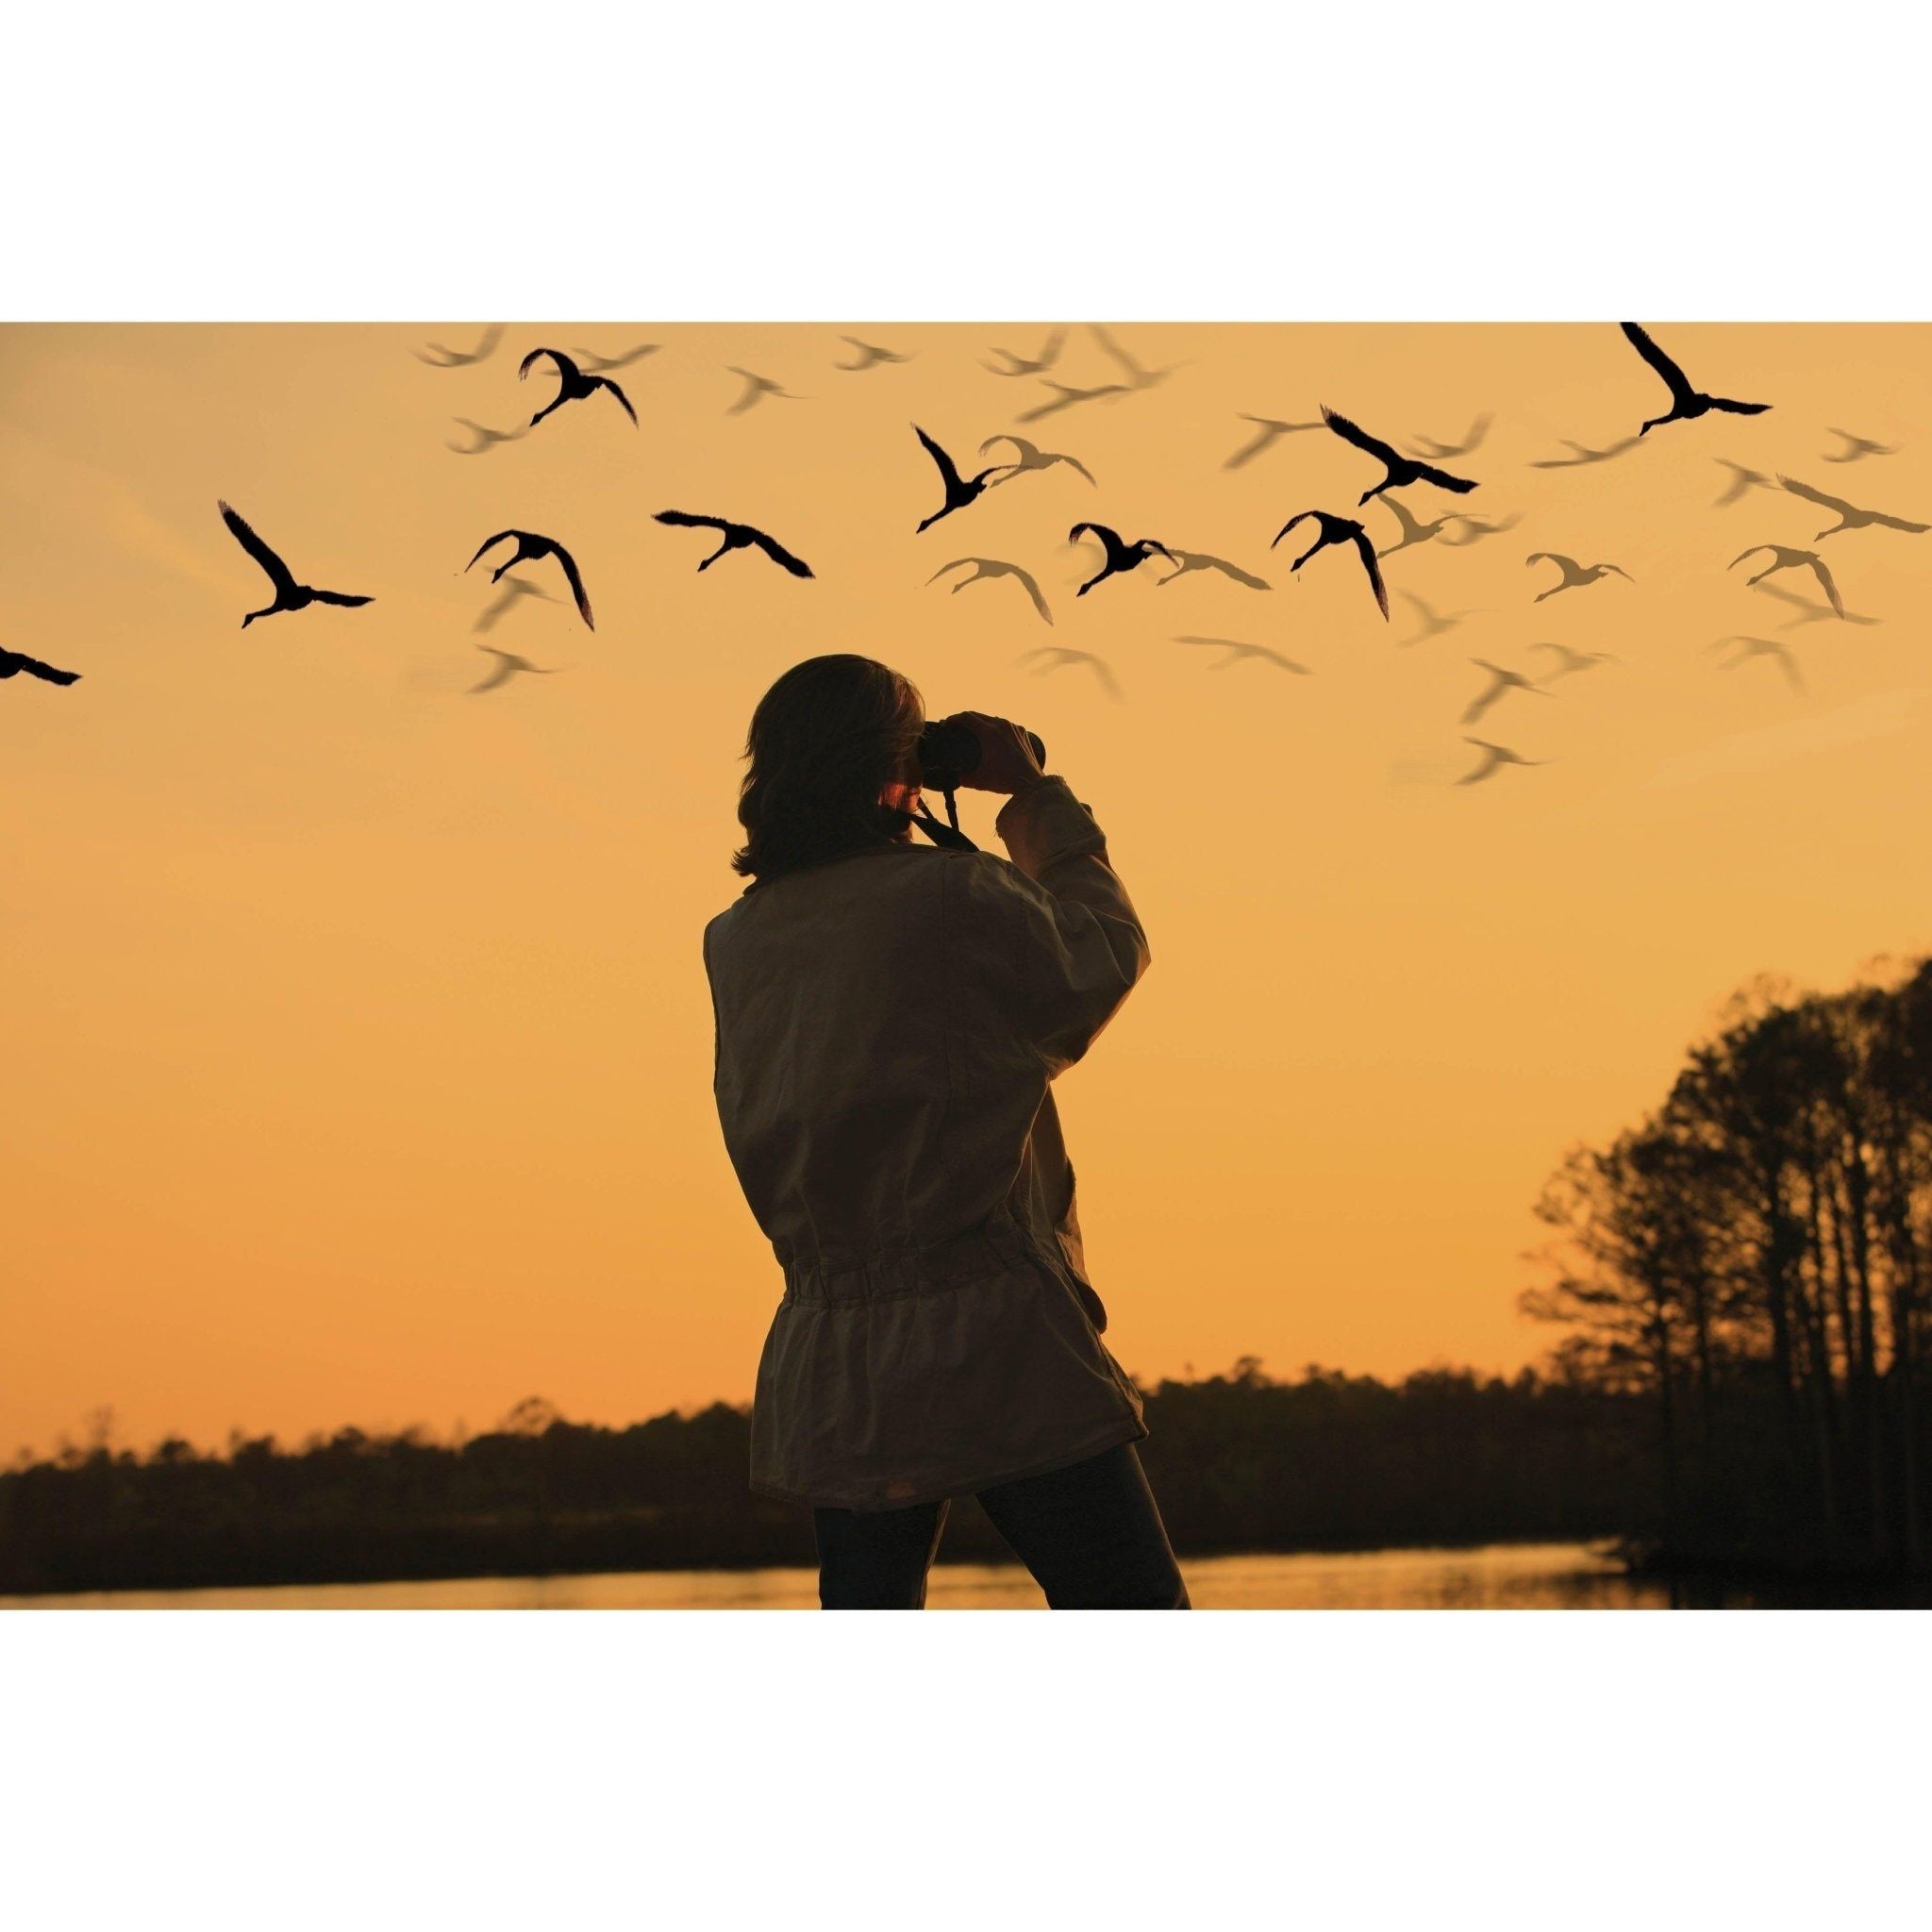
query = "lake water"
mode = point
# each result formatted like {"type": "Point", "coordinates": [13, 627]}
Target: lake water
{"type": "Point", "coordinates": [1500, 1577]}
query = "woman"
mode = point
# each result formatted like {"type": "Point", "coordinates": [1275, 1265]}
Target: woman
{"type": "Point", "coordinates": [889, 1016]}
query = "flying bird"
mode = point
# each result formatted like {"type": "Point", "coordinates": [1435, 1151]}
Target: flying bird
{"type": "Point", "coordinates": [735, 537]}
{"type": "Point", "coordinates": [1056, 655]}
{"type": "Point", "coordinates": [1743, 482]}
{"type": "Point", "coordinates": [1065, 398]}
{"type": "Point", "coordinates": [290, 595]}
{"type": "Point", "coordinates": [573, 385]}
{"type": "Point", "coordinates": [1686, 403]}
{"type": "Point", "coordinates": [1808, 613]}
{"type": "Point", "coordinates": [596, 364]}
{"type": "Point", "coordinates": [756, 388]}
{"type": "Point", "coordinates": [440, 358]}
{"type": "Point", "coordinates": [1849, 517]}
{"type": "Point", "coordinates": [1500, 682]}
{"type": "Point", "coordinates": [1761, 647]}
{"type": "Point", "coordinates": [1580, 454]}
{"type": "Point", "coordinates": [513, 593]}
{"type": "Point", "coordinates": [1402, 470]}
{"type": "Point", "coordinates": [13, 663]}
{"type": "Point", "coordinates": [1031, 365]}
{"type": "Point", "coordinates": [1199, 560]}
{"type": "Point", "coordinates": [529, 547]}
{"type": "Point", "coordinates": [1440, 452]}
{"type": "Point", "coordinates": [1239, 653]}
{"type": "Point", "coordinates": [509, 664]}
{"type": "Point", "coordinates": [1434, 623]}
{"type": "Point", "coordinates": [486, 439]}
{"type": "Point", "coordinates": [1476, 528]}
{"type": "Point", "coordinates": [870, 356]}
{"type": "Point", "coordinates": [1570, 661]}
{"type": "Point", "coordinates": [1413, 531]}
{"type": "Point", "coordinates": [985, 569]}
{"type": "Point", "coordinates": [1270, 432]}
{"type": "Point", "coordinates": [1137, 377]}
{"type": "Point", "coordinates": [960, 491]}
{"type": "Point", "coordinates": [1856, 446]}
{"type": "Point", "coordinates": [1784, 558]}
{"type": "Point", "coordinates": [1574, 574]}
{"type": "Point", "coordinates": [1494, 756]}
{"type": "Point", "coordinates": [1339, 530]}
{"type": "Point", "coordinates": [1121, 556]}
{"type": "Point", "coordinates": [1031, 457]}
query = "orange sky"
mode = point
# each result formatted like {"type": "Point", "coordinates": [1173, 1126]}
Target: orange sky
{"type": "Point", "coordinates": [357, 1043]}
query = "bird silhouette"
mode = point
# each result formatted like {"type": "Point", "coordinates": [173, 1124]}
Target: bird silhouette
{"type": "Point", "coordinates": [960, 491]}
{"type": "Point", "coordinates": [1476, 528]}
{"type": "Point", "coordinates": [486, 439]}
{"type": "Point", "coordinates": [1031, 457]}
{"type": "Point", "coordinates": [573, 385]}
{"type": "Point", "coordinates": [1412, 532]}
{"type": "Point", "coordinates": [1137, 377]}
{"type": "Point", "coordinates": [1402, 470]}
{"type": "Point", "coordinates": [290, 595]}
{"type": "Point", "coordinates": [1849, 517]}
{"type": "Point", "coordinates": [1199, 560]}
{"type": "Point", "coordinates": [735, 537]}
{"type": "Point", "coordinates": [1808, 613]}
{"type": "Point", "coordinates": [1686, 403]}
{"type": "Point", "coordinates": [1339, 530]}
{"type": "Point", "coordinates": [1494, 756]}
{"type": "Point", "coordinates": [1500, 682]}
{"type": "Point", "coordinates": [596, 364]}
{"type": "Point", "coordinates": [1784, 558]}
{"type": "Point", "coordinates": [13, 663]}
{"type": "Point", "coordinates": [1760, 647]}
{"type": "Point", "coordinates": [440, 358]}
{"type": "Point", "coordinates": [756, 388]}
{"type": "Point", "coordinates": [509, 664]}
{"type": "Point", "coordinates": [1857, 446]}
{"type": "Point", "coordinates": [1570, 661]}
{"type": "Point", "coordinates": [1239, 653]}
{"type": "Point", "coordinates": [529, 548]}
{"type": "Point", "coordinates": [1580, 454]}
{"type": "Point", "coordinates": [1434, 623]}
{"type": "Point", "coordinates": [1057, 654]}
{"type": "Point", "coordinates": [1121, 556]}
{"type": "Point", "coordinates": [1574, 574]}
{"type": "Point", "coordinates": [1270, 432]}
{"type": "Point", "coordinates": [870, 356]}
{"type": "Point", "coordinates": [1066, 397]}
{"type": "Point", "coordinates": [1743, 482]}
{"type": "Point", "coordinates": [1441, 452]}
{"type": "Point", "coordinates": [514, 590]}
{"type": "Point", "coordinates": [986, 568]}
{"type": "Point", "coordinates": [1031, 365]}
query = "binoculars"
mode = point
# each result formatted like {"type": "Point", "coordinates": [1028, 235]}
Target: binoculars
{"type": "Point", "coordinates": [949, 754]}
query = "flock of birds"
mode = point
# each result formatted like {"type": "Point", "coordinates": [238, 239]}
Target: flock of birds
{"type": "Point", "coordinates": [582, 375]}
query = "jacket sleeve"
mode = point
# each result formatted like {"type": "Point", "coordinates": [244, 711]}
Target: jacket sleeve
{"type": "Point", "coordinates": [1051, 933]}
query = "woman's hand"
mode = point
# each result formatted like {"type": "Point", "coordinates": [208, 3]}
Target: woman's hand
{"type": "Point", "coordinates": [1005, 758]}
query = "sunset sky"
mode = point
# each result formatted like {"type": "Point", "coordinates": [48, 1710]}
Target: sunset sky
{"type": "Point", "coordinates": [357, 1046]}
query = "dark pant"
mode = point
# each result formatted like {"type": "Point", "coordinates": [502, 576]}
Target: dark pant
{"type": "Point", "coordinates": [1090, 1534]}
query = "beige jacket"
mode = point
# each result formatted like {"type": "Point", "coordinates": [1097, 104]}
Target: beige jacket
{"type": "Point", "coordinates": [887, 1026]}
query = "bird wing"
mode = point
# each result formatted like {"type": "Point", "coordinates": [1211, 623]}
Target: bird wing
{"type": "Point", "coordinates": [1032, 590]}
{"type": "Point", "coordinates": [486, 543]}
{"type": "Point", "coordinates": [953, 565]}
{"type": "Point", "coordinates": [1109, 540]}
{"type": "Point", "coordinates": [1673, 376]}
{"type": "Point", "coordinates": [1114, 349]}
{"type": "Point", "coordinates": [341, 598]}
{"type": "Point", "coordinates": [1412, 530]}
{"type": "Point", "coordinates": [1743, 553]}
{"type": "Point", "coordinates": [779, 555]}
{"type": "Point", "coordinates": [1075, 462]}
{"type": "Point", "coordinates": [1550, 557]}
{"type": "Point", "coordinates": [1367, 552]}
{"type": "Point", "coordinates": [34, 668]}
{"type": "Point", "coordinates": [605, 382]}
{"type": "Point", "coordinates": [1292, 521]}
{"type": "Point", "coordinates": [1025, 450]}
{"type": "Point", "coordinates": [505, 669]}
{"type": "Point", "coordinates": [1811, 495]}
{"type": "Point", "coordinates": [1823, 572]}
{"type": "Point", "coordinates": [1238, 574]}
{"type": "Point", "coordinates": [1443, 480]}
{"type": "Point", "coordinates": [686, 521]}
{"type": "Point", "coordinates": [949, 472]}
{"type": "Point", "coordinates": [562, 362]}
{"type": "Point", "coordinates": [1349, 432]}
{"type": "Point", "coordinates": [277, 571]}
{"type": "Point", "coordinates": [576, 583]}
